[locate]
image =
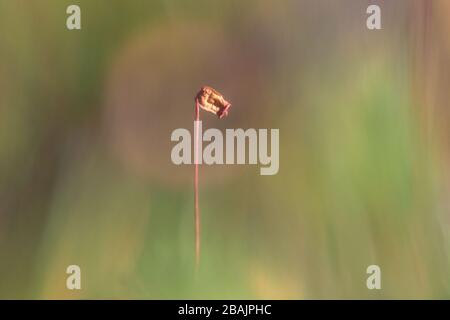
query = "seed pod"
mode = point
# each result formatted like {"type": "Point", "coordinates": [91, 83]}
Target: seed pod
{"type": "Point", "coordinates": [212, 101]}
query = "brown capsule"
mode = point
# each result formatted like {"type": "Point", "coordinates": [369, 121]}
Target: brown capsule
{"type": "Point", "coordinates": [212, 101]}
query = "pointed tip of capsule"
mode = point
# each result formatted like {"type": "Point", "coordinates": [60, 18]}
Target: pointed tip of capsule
{"type": "Point", "coordinates": [224, 112]}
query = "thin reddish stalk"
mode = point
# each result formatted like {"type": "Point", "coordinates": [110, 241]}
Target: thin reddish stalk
{"type": "Point", "coordinates": [196, 205]}
{"type": "Point", "coordinates": [212, 101]}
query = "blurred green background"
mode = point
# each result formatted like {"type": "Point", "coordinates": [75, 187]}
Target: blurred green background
{"type": "Point", "coordinates": [85, 170]}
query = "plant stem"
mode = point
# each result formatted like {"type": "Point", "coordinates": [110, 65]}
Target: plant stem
{"type": "Point", "coordinates": [196, 204]}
